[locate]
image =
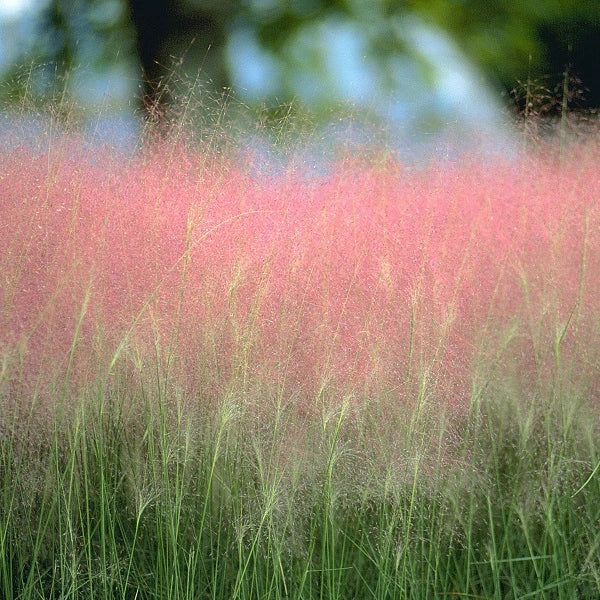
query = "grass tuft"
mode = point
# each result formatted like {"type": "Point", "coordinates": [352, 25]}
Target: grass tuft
{"type": "Point", "coordinates": [381, 382]}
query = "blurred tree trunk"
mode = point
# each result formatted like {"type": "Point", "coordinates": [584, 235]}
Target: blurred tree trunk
{"type": "Point", "coordinates": [149, 19]}
{"type": "Point", "coordinates": [174, 37]}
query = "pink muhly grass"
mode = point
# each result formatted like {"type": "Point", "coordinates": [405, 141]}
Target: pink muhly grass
{"type": "Point", "coordinates": [371, 283]}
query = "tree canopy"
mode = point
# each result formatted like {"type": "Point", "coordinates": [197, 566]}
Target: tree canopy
{"type": "Point", "coordinates": [512, 41]}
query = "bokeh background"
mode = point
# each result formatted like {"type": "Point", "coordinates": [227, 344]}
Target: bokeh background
{"type": "Point", "coordinates": [426, 73]}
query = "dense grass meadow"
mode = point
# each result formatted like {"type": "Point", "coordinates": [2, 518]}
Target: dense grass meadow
{"type": "Point", "coordinates": [225, 382]}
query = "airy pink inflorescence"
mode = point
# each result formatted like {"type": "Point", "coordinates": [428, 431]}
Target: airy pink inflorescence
{"type": "Point", "coordinates": [365, 282]}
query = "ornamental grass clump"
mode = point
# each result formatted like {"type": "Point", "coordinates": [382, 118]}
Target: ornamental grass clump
{"type": "Point", "coordinates": [379, 382]}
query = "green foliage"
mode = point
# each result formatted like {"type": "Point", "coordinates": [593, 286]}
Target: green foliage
{"type": "Point", "coordinates": [511, 41]}
{"type": "Point", "coordinates": [514, 41]}
{"type": "Point", "coordinates": [116, 505]}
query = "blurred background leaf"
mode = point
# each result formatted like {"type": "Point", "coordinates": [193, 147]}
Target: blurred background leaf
{"type": "Point", "coordinates": [426, 62]}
